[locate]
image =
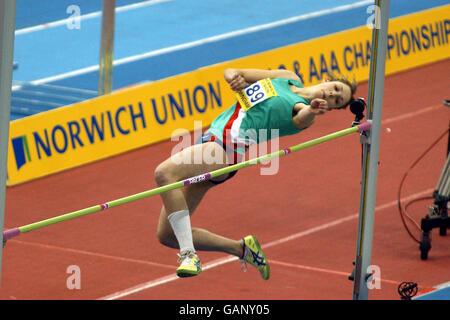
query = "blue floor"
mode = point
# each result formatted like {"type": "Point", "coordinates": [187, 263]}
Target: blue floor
{"type": "Point", "coordinates": [30, 13]}
{"type": "Point", "coordinates": [441, 294]}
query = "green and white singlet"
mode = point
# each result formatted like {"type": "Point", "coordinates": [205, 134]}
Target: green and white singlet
{"type": "Point", "coordinates": [263, 111]}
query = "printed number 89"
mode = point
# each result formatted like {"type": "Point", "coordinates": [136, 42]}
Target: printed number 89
{"type": "Point", "coordinates": [250, 91]}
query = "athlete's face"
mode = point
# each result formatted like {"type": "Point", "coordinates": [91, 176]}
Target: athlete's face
{"type": "Point", "coordinates": [335, 93]}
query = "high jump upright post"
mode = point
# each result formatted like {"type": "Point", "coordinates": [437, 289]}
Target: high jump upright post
{"type": "Point", "coordinates": [107, 47]}
{"type": "Point", "coordinates": [7, 26]}
{"type": "Point", "coordinates": [363, 268]}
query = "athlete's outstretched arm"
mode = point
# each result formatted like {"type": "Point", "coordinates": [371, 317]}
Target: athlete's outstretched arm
{"type": "Point", "coordinates": [306, 114]}
{"type": "Point", "coordinates": [240, 78]}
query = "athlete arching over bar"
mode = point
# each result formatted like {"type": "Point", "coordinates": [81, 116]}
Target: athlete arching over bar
{"type": "Point", "coordinates": [267, 99]}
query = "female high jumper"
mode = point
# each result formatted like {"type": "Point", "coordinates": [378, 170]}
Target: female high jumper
{"type": "Point", "coordinates": [266, 100]}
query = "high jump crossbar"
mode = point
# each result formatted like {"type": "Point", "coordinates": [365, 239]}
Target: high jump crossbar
{"type": "Point", "coordinates": [8, 234]}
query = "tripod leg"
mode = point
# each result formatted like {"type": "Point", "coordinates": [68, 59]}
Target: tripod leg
{"type": "Point", "coordinates": [425, 245]}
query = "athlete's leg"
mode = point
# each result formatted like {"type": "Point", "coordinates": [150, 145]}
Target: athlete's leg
{"type": "Point", "coordinates": [190, 162]}
{"type": "Point", "coordinates": [186, 200]}
{"type": "Point", "coordinates": [203, 240]}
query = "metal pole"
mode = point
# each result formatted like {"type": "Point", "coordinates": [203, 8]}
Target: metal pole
{"type": "Point", "coordinates": [7, 26]}
{"type": "Point", "coordinates": [370, 151]}
{"type": "Point", "coordinates": [107, 47]}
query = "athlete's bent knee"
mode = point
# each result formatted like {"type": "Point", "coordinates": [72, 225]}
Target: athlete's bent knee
{"type": "Point", "coordinates": [163, 175]}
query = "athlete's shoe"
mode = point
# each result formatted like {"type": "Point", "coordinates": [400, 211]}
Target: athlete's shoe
{"type": "Point", "coordinates": [254, 255]}
{"type": "Point", "coordinates": [190, 264]}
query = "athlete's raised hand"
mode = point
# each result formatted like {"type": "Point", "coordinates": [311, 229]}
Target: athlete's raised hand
{"type": "Point", "coordinates": [235, 80]}
{"type": "Point", "coordinates": [319, 106]}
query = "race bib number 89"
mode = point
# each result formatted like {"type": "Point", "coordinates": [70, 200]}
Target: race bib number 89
{"type": "Point", "coordinates": [256, 93]}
